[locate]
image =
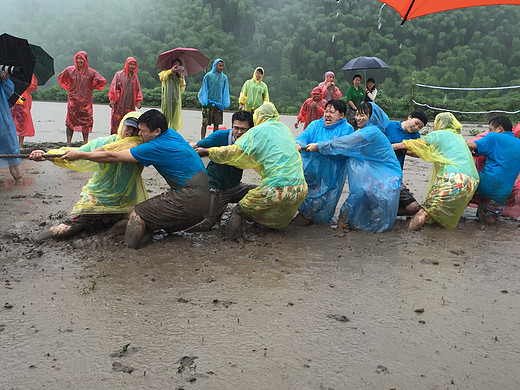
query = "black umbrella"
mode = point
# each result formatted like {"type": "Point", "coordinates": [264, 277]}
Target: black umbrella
{"type": "Point", "coordinates": [364, 63]}
{"type": "Point", "coordinates": [17, 59]}
{"type": "Point", "coordinates": [44, 68]}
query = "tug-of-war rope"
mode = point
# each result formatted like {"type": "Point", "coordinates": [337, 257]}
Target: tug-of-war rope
{"type": "Point", "coordinates": [465, 89]}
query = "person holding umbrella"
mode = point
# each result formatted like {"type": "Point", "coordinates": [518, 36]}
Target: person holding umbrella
{"type": "Point", "coordinates": [173, 85]}
{"type": "Point", "coordinates": [22, 113]}
{"type": "Point", "coordinates": [8, 144]}
{"type": "Point", "coordinates": [125, 93]}
{"type": "Point", "coordinates": [80, 80]}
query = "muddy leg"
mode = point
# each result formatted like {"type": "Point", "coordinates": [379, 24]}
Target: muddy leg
{"type": "Point", "coordinates": [15, 172]}
{"type": "Point", "coordinates": [235, 225]}
{"type": "Point", "coordinates": [85, 137]}
{"type": "Point", "coordinates": [135, 230]}
{"type": "Point", "coordinates": [118, 228]}
{"type": "Point", "coordinates": [300, 220]}
{"type": "Point", "coordinates": [69, 136]}
{"type": "Point", "coordinates": [418, 220]}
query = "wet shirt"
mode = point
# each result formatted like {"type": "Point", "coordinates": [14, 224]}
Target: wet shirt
{"type": "Point", "coordinates": [502, 152]}
{"type": "Point", "coordinates": [395, 134]}
{"type": "Point", "coordinates": [172, 156]}
{"type": "Point", "coordinates": [221, 176]}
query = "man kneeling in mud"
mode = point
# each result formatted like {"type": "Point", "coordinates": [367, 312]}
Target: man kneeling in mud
{"type": "Point", "coordinates": [185, 203]}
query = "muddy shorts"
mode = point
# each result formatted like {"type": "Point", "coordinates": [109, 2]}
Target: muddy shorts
{"type": "Point", "coordinates": [488, 210]}
{"type": "Point", "coordinates": [177, 208]}
{"type": "Point", "coordinates": [93, 222]}
{"type": "Point", "coordinates": [212, 115]}
{"type": "Point", "coordinates": [221, 198]}
{"type": "Point", "coordinates": [405, 198]}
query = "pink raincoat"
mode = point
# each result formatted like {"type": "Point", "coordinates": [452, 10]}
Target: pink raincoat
{"type": "Point", "coordinates": [512, 207]}
{"type": "Point", "coordinates": [80, 86]}
{"type": "Point", "coordinates": [332, 92]}
{"type": "Point", "coordinates": [311, 110]}
{"type": "Point", "coordinates": [22, 111]}
{"type": "Point", "coordinates": [125, 91]}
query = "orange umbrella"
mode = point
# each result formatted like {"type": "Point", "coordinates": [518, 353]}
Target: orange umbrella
{"type": "Point", "coordinates": [409, 9]}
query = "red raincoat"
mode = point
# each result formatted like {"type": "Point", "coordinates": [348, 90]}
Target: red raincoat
{"type": "Point", "coordinates": [126, 93]}
{"type": "Point", "coordinates": [311, 110]}
{"type": "Point", "coordinates": [22, 111]}
{"type": "Point", "coordinates": [80, 86]}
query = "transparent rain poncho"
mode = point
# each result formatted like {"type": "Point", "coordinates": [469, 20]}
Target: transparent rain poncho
{"type": "Point", "coordinates": [80, 86]}
{"type": "Point", "coordinates": [374, 175]}
{"type": "Point", "coordinates": [115, 188]}
{"type": "Point", "coordinates": [325, 175]}
{"type": "Point", "coordinates": [312, 110]}
{"type": "Point", "coordinates": [8, 141]}
{"type": "Point", "coordinates": [270, 150]}
{"type": "Point", "coordinates": [453, 178]}
{"type": "Point", "coordinates": [254, 92]}
{"type": "Point", "coordinates": [173, 86]}
{"type": "Point", "coordinates": [215, 89]}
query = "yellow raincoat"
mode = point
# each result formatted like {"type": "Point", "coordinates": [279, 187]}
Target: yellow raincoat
{"type": "Point", "coordinates": [269, 148]}
{"type": "Point", "coordinates": [254, 92]}
{"type": "Point", "coordinates": [115, 188]}
{"type": "Point", "coordinates": [453, 178]}
{"type": "Point", "coordinates": [173, 86]}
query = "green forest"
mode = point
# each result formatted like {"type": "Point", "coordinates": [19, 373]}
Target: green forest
{"type": "Point", "coordinates": [295, 41]}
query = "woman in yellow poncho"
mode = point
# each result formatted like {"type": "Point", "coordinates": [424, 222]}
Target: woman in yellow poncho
{"type": "Point", "coordinates": [269, 148]}
{"type": "Point", "coordinates": [254, 92]}
{"type": "Point", "coordinates": [173, 85]}
{"type": "Point", "coordinates": [453, 178]}
{"type": "Point", "coordinates": [113, 190]}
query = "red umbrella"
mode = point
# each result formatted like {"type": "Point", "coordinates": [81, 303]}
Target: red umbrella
{"type": "Point", "coordinates": [193, 60]}
{"type": "Point", "coordinates": [409, 9]}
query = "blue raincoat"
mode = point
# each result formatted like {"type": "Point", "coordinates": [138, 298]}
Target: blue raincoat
{"type": "Point", "coordinates": [374, 175]}
{"type": "Point", "coordinates": [8, 140]}
{"type": "Point", "coordinates": [325, 175]}
{"type": "Point", "coordinates": [215, 89]}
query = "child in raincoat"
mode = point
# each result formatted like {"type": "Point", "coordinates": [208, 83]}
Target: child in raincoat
{"type": "Point", "coordinates": [22, 113]}
{"type": "Point", "coordinates": [80, 80]}
{"type": "Point", "coordinates": [453, 178]}
{"type": "Point", "coordinates": [311, 109]}
{"type": "Point", "coordinates": [254, 92]}
{"type": "Point", "coordinates": [173, 85]}
{"type": "Point", "coordinates": [8, 142]}
{"type": "Point", "coordinates": [325, 175]}
{"type": "Point", "coordinates": [269, 149]}
{"type": "Point", "coordinates": [374, 174]}
{"type": "Point", "coordinates": [125, 93]}
{"type": "Point", "coordinates": [214, 97]}
{"type": "Point", "coordinates": [113, 190]}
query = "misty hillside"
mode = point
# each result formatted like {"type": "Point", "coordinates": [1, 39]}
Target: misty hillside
{"type": "Point", "coordinates": [295, 41]}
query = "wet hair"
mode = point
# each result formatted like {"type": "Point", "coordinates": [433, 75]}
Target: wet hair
{"type": "Point", "coordinates": [154, 119]}
{"type": "Point", "coordinates": [357, 75]}
{"type": "Point", "coordinates": [339, 105]}
{"type": "Point", "coordinates": [503, 121]}
{"type": "Point", "coordinates": [243, 116]}
{"type": "Point", "coordinates": [365, 108]}
{"type": "Point", "coordinates": [421, 115]}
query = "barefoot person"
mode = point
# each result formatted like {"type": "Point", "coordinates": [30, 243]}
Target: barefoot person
{"type": "Point", "coordinates": [453, 178]}
{"type": "Point", "coordinates": [113, 190]}
{"type": "Point", "coordinates": [187, 201]}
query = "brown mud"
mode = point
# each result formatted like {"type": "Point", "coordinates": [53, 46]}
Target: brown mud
{"type": "Point", "coordinates": [302, 308]}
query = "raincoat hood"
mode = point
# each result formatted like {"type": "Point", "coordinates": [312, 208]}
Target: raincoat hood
{"type": "Point", "coordinates": [317, 90]}
{"type": "Point", "coordinates": [447, 121]}
{"type": "Point", "coordinates": [214, 68]}
{"type": "Point", "coordinates": [82, 54]}
{"type": "Point", "coordinates": [265, 112]}
{"type": "Point", "coordinates": [254, 74]}
{"type": "Point", "coordinates": [378, 118]}
{"type": "Point", "coordinates": [128, 60]}
{"type": "Point", "coordinates": [328, 74]}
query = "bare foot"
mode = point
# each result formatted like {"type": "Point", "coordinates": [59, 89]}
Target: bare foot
{"type": "Point", "coordinates": [342, 224]}
{"type": "Point", "coordinates": [300, 220]}
{"type": "Point", "coordinates": [418, 220]}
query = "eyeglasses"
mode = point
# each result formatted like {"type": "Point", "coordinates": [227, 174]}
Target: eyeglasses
{"type": "Point", "coordinates": [242, 129]}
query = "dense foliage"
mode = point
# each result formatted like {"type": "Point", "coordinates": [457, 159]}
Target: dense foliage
{"type": "Point", "coordinates": [295, 41]}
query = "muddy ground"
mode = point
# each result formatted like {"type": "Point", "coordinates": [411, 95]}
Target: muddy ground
{"type": "Point", "coordinates": [303, 308]}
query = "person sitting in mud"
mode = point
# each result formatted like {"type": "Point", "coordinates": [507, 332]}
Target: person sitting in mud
{"type": "Point", "coordinates": [374, 174]}
{"type": "Point", "coordinates": [111, 193]}
{"type": "Point", "coordinates": [325, 175]}
{"type": "Point", "coordinates": [502, 166]}
{"type": "Point", "coordinates": [224, 180]}
{"type": "Point", "coordinates": [187, 201]}
{"type": "Point", "coordinates": [269, 149]}
{"type": "Point", "coordinates": [396, 132]}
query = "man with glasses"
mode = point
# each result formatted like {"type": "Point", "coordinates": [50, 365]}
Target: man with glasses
{"type": "Point", "coordinates": [224, 180]}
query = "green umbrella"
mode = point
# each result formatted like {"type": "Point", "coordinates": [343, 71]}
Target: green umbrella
{"type": "Point", "coordinates": [44, 67]}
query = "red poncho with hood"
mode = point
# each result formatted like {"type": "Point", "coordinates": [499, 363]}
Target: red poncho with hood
{"type": "Point", "coordinates": [125, 91]}
{"type": "Point", "coordinates": [311, 110]}
{"type": "Point", "coordinates": [80, 86]}
{"type": "Point", "coordinates": [22, 111]}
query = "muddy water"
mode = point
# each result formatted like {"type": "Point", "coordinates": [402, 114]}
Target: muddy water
{"type": "Point", "coordinates": [305, 308]}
